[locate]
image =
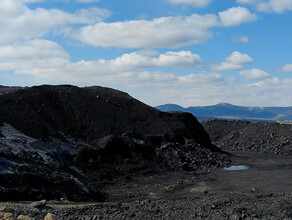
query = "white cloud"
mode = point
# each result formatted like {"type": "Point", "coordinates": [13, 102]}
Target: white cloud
{"type": "Point", "coordinates": [32, 50]}
{"type": "Point", "coordinates": [49, 63]}
{"type": "Point", "coordinates": [239, 58]}
{"type": "Point", "coordinates": [179, 59]}
{"type": "Point", "coordinates": [204, 78]}
{"type": "Point", "coordinates": [234, 62]}
{"type": "Point", "coordinates": [225, 66]}
{"type": "Point", "coordinates": [242, 39]}
{"type": "Point", "coordinates": [46, 59]}
{"type": "Point", "coordinates": [135, 61]}
{"type": "Point", "coordinates": [277, 6]}
{"type": "Point", "coordinates": [254, 74]}
{"type": "Point", "coordinates": [18, 22]}
{"type": "Point", "coordinates": [194, 3]}
{"type": "Point", "coordinates": [162, 32]}
{"type": "Point", "coordinates": [86, 1]}
{"type": "Point", "coordinates": [287, 68]}
{"type": "Point", "coordinates": [236, 16]}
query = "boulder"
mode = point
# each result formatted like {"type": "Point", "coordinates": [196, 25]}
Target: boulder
{"type": "Point", "coordinates": [39, 204]}
{"type": "Point", "coordinates": [50, 216]}
{"type": "Point", "coordinates": [23, 217]}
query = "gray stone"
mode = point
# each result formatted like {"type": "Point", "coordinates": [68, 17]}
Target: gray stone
{"type": "Point", "coordinates": [39, 204]}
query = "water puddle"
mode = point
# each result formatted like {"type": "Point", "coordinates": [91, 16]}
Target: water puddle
{"type": "Point", "coordinates": [236, 168]}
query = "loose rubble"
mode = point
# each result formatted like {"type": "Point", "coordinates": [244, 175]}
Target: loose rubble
{"type": "Point", "coordinates": [262, 137]}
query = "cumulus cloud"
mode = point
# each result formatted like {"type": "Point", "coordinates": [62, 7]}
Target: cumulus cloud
{"type": "Point", "coordinates": [179, 59]}
{"type": "Point", "coordinates": [46, 59]}
{"type": "Point", "coordinates": [277, 6]}
{"type": "Point", "coordinates": [204, 78]}
{"type": "Point", "coordinates": [287, 68]}
{"type": "Point", "coordinates": [254, 74]}
{"type": "Point", "coordinates": [194, 3]}
{"type": "Point", "coordinates": [134, 61]}
{"type": "Point", "coordinates": [236, 16]}
{"type": "Point", "coordinates": [162, 32]}
{"type": "Point", "coordinates": [31, 50]}
{"type": "Point", "coordinates": [18, 22]}
{"type": "Point", "coordinates": [234, 62]}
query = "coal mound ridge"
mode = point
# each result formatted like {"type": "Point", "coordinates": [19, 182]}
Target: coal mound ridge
{"type": "Point", "coordinates": [262, 137]}
{"type": "Point", "coordinates": [67, 142]}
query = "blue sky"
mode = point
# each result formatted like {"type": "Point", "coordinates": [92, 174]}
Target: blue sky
{"type": "Point", "coordinates": [188, 52]}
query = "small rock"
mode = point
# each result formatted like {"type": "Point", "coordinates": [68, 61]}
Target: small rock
{"type": "Point", "coordinates": [235, 217]}
{"type": "Point", "coordinates": [7, 215]}
{"type": "Point", "coordinates": [50, 216]}
{"type": "Point", "coordinates": [39, 204]}
{"type": "Point", "coordinates": [23, 217]}
{"type": "Point", "coordinates": [2, 208]}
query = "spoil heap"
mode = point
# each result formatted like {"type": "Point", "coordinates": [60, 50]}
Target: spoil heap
{"type": "Point", "coordinates": [65, 141]}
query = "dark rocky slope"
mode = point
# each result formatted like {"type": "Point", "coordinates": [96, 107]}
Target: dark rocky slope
{"type": "Point", "coordinates": [65, 141]}
{"type": "Point", "coordinates": [248, 136]}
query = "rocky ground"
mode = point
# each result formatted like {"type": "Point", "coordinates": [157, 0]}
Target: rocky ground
{"type": "Point", "coordinates": [97, 153]}
{"type": "Point", "coordinates": [266, 137]}
{"type": "Point", "coordinates": [262, 192]}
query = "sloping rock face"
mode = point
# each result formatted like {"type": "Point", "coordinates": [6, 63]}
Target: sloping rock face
{"type": "Point", "coordinates": [65, 141]}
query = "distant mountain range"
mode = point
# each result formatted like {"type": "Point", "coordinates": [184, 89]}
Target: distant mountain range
{"type": "Point", "coordinates": [233, 112]}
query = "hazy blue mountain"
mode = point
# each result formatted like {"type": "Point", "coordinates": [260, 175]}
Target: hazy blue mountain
{"type": "Point", "coordinates": [228, 111]}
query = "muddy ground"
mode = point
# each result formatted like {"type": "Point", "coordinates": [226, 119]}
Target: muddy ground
{"type": "Point", "coordinates": [261, 192]}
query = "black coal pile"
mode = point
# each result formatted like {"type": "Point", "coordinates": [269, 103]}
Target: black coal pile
{"type": "Point", "coordinates": [66, 142]}
{"type": "Point", "coordinates": [248, 136]}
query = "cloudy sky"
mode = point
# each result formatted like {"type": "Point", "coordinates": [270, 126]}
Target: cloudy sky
{"type": "Point", "coordinates": [187, 52]}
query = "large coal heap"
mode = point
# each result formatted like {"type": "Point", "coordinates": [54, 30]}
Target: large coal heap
{"type": "Point", "coordinates": [65, 141]}
{"type": "Point", "coordinates": [90, 113]}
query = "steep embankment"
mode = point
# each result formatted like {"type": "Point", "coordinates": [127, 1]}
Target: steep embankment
{"type": "Point", "coordinates": [65, 141]}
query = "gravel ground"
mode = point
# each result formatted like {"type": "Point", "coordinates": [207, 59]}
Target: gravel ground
{"type": "Point", "coordinates": [264, 137]}
{"type": "Point", "coordinates": [214, 194]}
{"type": "Point", "coordinates": [233, 205]}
